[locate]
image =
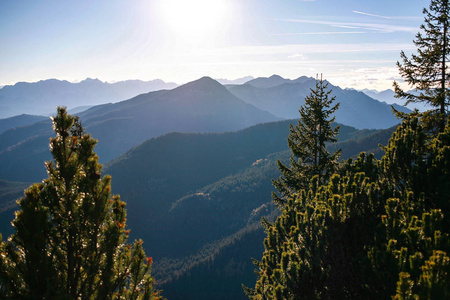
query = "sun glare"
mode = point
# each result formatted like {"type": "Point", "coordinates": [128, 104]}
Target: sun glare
{"type": "Point", "coordinates": [194, 19]}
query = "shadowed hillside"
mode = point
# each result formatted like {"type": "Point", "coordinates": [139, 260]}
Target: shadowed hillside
{"type": "Point", "coordinates": [196, 200]}
{"type": "Point", "coordinates": [200, 106]}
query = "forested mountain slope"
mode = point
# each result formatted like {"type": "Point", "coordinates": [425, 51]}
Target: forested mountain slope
{"type": "Point", "coordinates": [197, 199]}
{"type": "Point", "coordinates": [200, 106]}
{"type": "Point", "coordinates": [18, 121]}
{"type": "Point", "coordinates": [207, 190]}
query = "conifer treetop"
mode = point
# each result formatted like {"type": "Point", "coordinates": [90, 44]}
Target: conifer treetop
{"type": "Point", "coordinates": [427, 70]}
{"type": "Point", "coordinates": [71, 237]}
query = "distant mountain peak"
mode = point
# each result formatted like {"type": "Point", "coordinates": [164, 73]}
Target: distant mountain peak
{"type": "Point", "coordinates": [205, 89]}
{"type": "Point", "coordinates": [206, 78]}
{"type": "Point", "coordinates": [275, 80]}
{"type": "Point", "coordinates": [303, 79]}
{"type": "Point", "coordinates": [202, 83]}
{"type": "Point", "coordinates": [267, 82]}
{"type": "Point", "coordinates": [275, 76]}
{"type": "Point", "coordinates": [91, 80]}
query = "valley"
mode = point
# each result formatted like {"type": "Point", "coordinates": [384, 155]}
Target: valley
{"type": "Point", "coordinates": [194, 165]}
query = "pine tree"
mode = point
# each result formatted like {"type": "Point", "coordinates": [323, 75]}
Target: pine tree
{"type": "Point", "coordinates": [307, 141]}
{"type": "Point", "coordinates": [427, 71]}
{"type": "Point", "coordinates": [71, 238]}
{"type": "Point", "coordinates": [375, 230]}
{"type": "Point", "coordinates": [415, 240]}
{"type": "Point", "coordinates": [316, 249]}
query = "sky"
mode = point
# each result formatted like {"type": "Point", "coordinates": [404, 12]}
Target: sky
{"type": "Point", "coordinates": [353, 43]}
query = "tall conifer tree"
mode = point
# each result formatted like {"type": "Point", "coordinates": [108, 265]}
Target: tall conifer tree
{"type": "Point", "coordinates": [376, 229]}
{"type": "Point", "coordinates": [427, 71]}
{"type": "Point", "coordinates": [71, 238]}
{"type": "Point", "coordinates": [307, 141]}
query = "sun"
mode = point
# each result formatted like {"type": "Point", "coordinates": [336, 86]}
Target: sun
{"type": "Point", "coordinates": [194, 19]}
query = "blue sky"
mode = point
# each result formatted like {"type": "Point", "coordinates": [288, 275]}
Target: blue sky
{"type": "Point", "coordinates": [354, 43]}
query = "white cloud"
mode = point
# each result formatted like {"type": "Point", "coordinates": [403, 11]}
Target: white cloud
{"type": "Point", "coordinates": [409, 18]}
{"type": "Point", "coordinates": [369, 26]}
{"type": "Point", "coordinates": [320, 33]}
{"type": "Point", "coordinates": [372, 78]}
{"type": "Point", "coordinates": [345, 26]}
{"type": "Point", "coordinates": [371, 15]}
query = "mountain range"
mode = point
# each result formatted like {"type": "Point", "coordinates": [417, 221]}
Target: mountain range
{"type": "Point", "coordinates": [200, 106]}
{"type": "Point", "coordinates": [283, 97]}
{"type": "Point", "coordinates": [194, 165]}
{"type": "Point", "coordinates": [388, 96]}
{"type": "Point", "coordinates": [175, 173]}
{"type": "Point", "coordinates": [41, 98]}
{"type": "Point", "coordinates": [203, 105]}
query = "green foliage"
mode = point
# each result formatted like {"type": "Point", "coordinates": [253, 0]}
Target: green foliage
{"type": "Point", "coordinates": [378, 229]}
{"type": "Point", "coordinates": [427, 71]}
{"type": "Point", "coordinates": [419, 162]}
{"type": "Point", "coordinates": [70, 239]}
{"type": "Point", "coordinates": [307, 141]}
{"type": "Point", "coordinates": [416, 219]}
{"type": "Point", "coordinates": [314, 249]}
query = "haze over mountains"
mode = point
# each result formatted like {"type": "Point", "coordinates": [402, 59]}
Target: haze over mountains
{"type": "Point", "coordinates": [388, 96]}
{"type": "Point", "coordinates": [200, 106]}
{"type": "Point", "coordinates": [283, 97]}
{"type": "Point", "coordinates": [19, 121]}
{"type": "Point", "coordinates": [41, 98]}
{"type": "Point", "coordinates": [194, 164]}
{"type": "Point", "coordinates": [203, 105]}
